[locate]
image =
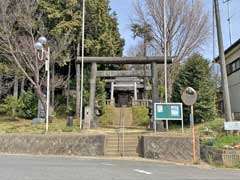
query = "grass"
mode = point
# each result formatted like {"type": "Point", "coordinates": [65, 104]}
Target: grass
{"type": "Point", "coordinates": [206, 129]}
{"type": "Point", "coordinates": [222, 141]}
{"type": "Point", "coordinates": [58, 125]}
{"type": "Point", "coordinates": [17, 125]}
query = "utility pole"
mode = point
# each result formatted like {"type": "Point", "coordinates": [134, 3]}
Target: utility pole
{"type": "Point", "coordinates": [82, 65]}
{"type": "Point", "coordinates": [226, 98]}
{"type": "Point", "coordinates": [229, 20]}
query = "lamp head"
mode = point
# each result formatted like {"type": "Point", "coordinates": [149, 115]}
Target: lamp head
{"type": "Point", "coordinates": [38, 46]}
{"type": "Point", "coordinates": [42, 40]}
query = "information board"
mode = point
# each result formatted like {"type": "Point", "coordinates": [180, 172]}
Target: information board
{"type": "Point", "coordinates": [168, 111]}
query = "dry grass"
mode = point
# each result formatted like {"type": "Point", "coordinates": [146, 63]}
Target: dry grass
{"type": "Point", "coordinates": [58, 125]}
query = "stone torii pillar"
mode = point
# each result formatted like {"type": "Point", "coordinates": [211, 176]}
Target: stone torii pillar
{"type": "Point", "coordinates": [155, 92]}
{"type": "Point", "coordinates": [112, 94]}
{"type": "Point", "coordinates": [87, 125]}
{"type": "Point", "coordinates": [135, 91]}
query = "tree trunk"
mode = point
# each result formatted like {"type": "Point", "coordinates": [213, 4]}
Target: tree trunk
{"type": "Point", "coordinates": [15, 88]}
{"type": "Point", "coordinates": [42, 97]}
{"type": "Point", "coordinates": [53, 84]}
{"type": "Point", "coordinates": [68, 83]}
{"type": "Point", "coordinates": [78, 79]}
{"type": "Point", "coordinates": [22, 85]}
{"type": "Point", "coordinates": [1, 85]}
{"type": "Point", "coordinates": [145, 70]}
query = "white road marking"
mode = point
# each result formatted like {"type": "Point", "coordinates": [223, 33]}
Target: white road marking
{"type": "Point", "coordinates": [143, 172]}
{"type": "Point", "coordinates": [108, 164]}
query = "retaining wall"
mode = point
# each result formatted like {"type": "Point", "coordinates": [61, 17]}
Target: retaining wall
{"type": "Point", "coordinates": [222, 157]}
{"type": "Point", "coordinates": [177, 149]}
{"type": "Point", "coordinates": [79, 145]}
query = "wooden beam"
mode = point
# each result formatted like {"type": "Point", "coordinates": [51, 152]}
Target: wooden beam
{"type": "Point", "coordinates": [125, 60]}
{"type": "Point", "coordinates": [123, 74]}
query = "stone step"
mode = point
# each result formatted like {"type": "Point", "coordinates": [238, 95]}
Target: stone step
{"type": "Point", "coordinates": [125, 135]}
{"type": "Point", "coordinates": [126, 149]}
{"type": "Point", "coordinates": [120, 144]}
{"type": "Point", "coordinates": [127, 154]}
{"type": "Point", "coordinates": [114, 146]}
{"type": "Point", "coordinates": [126, 139]}
{"type": "Point", "coordinates": [113, 154]}
{"type": "Point", "coordinates": [120, 141]}
{"type": "Point", "coordinates": [128, 142]}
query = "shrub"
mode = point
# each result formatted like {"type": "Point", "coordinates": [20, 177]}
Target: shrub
{"type": "Point", "coordinates": [61, 106]}
{"type": "Point", "coordinates": [11, 106]}
{"type": "Point", "coordinates": [107, 118]}
{"type": "Point", "coordinates": [100, 96]}
{"type": "Point", "coordinates": [29, 105]}
{"type": "Point", "coordinates": [140, 115]}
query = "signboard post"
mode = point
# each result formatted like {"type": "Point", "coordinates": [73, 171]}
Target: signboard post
{"type": "Point", "coordinates": [189, 97]}
{"type": "Point", "coordinates": [167, 111]}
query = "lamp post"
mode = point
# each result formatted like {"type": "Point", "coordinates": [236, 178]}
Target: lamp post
{"type": "Point", "coordinates": [44, 53]}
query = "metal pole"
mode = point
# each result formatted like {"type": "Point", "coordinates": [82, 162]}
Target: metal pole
{"type": "Point", "coordinates": [193, 137]}
{"type": "Point", "coordinates": [229, 21]}
{"type": "Point", "coordinates": [123, 131]}
{"type": "Point", "coordinates": [82, 65]}
{"type": "Point", "coordinates": [48, 87]}
{"type": "Point", "coordinates": [165, 58]}
{"type": "Point", "coordinates": [226, 98]}
{"type": "Point", "coordinates": [165, 54]}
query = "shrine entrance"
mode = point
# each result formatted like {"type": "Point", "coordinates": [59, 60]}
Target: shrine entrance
{"type": "Point", "coordinates": [124, 87]}
{"type": "Point", "coordinates": [123, 91]}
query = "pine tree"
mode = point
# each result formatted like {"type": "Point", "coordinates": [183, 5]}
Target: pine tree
{"type": "Point", "coordinates": [196, 73]}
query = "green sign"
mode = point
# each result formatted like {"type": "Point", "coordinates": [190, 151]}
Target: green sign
{"type": "Point", "coordinates": [168, 111]}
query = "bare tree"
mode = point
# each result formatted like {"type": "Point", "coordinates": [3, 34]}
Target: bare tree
{"type": "Point", "coordinates": [19, 25]}
{"type": "Point", "coordinates": [60, 55]}
{"type": "Point", "coordinates": [188, 27]}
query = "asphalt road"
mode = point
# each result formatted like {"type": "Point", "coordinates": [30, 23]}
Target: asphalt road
{"type": "Point", "coordinates": [60, 168]}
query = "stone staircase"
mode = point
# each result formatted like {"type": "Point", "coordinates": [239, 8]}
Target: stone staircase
{"type": "Point", "coordinates": [122, 145]}
{"type": "Point", "coordinates": [123, 116]}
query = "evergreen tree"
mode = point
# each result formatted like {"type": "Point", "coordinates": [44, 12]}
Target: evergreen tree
{"type": "Point", "coordinates": [102, 34]}
{"type": "Point", "coordinates": [196, 73]}
{"type": "Point", "coordinates": [102, 37]}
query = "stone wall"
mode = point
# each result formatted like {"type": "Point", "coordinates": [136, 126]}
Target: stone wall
{"type": "Point", "coordinates": [177, 149]}
{"type": "Point", "coordinates": [221, 157]}
{"type": "Point", "coordinates": [78, 145]}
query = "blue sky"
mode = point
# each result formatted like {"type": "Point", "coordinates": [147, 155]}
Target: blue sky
{"type": "Point", "coordinates": [124, 9]}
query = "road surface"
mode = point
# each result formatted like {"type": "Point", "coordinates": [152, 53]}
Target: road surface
{"type": "Point", "coordinates": [62, 168]}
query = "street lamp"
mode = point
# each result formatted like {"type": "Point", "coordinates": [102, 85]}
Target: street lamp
{"type": "Point", "coordinates": [44, 53]}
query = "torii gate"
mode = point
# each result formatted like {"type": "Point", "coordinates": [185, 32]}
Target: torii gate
{"type": "Point", "coordinates": [121, 60]}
